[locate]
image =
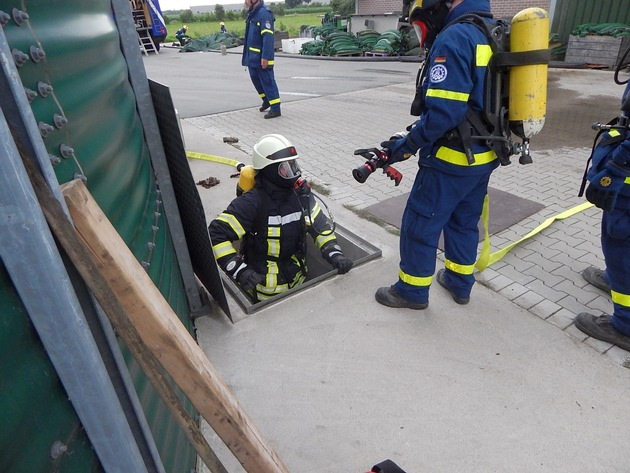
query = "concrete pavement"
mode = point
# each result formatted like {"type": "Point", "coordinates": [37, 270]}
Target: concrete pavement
{"type": "Point", "coordinates": [337, 382]}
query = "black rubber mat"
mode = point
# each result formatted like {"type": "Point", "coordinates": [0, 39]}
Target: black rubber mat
{"type": "Point", "coordinates": [188, 201]}
{"type": "Point", "coordinates": [505, 210]}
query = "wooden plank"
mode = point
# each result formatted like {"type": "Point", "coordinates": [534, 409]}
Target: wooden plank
{"type": "Point", "coordinates": [604, 50]}
{"type": "Point", "coordinates": [165, 336]}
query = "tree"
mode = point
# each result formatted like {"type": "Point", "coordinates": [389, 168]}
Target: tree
{"type": "Point", "coordinates": [186, 16]}
{"type": "Point", "coordinates": [342, 7]}
{"type": "Point", "coordinates": [277, 9]}
{"type": "Point", "coordinates": [219, 12]}
{"type": "Point", "coordinates": [292, 3]}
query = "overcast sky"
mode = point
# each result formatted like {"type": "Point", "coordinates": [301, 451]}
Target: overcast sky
{"type": "Point", "coordinates": [185, 4]}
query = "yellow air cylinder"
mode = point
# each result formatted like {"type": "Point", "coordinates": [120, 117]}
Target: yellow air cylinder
{"type": "Point", "coordinates": [246, 179]}
{"type": "Point", "coordinates": [528, 83]}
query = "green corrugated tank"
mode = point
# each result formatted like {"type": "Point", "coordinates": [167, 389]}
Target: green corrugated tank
{"type": "Point", "coordinates": [90, 83]}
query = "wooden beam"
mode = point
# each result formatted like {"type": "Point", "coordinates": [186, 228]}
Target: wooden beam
{"type": "Point", "coordinates": [165, 336]}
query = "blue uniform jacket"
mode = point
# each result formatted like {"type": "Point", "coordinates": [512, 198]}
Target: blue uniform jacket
{"type": "Point", "coordinates": [613, 146]}
{"type": "Point", "coordinates": [259, 37]}
{"type": "Point", "coordinates": [457, 66]}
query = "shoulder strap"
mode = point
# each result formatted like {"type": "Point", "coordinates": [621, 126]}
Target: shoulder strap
{"type": "Point", "coordinates": [262, 219]}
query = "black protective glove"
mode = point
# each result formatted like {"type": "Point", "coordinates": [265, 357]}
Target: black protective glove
{"type": "Point", "coordinates": [238, 270]}
{"type": "Point", "coordinates": [248, 279]}
{"type": "Point", "coordinates": [341, 263]}
{"type": "Point", "coordinates": [605, 186]}
{"type": "Point", "coordinates": [399, 149]}
{"type": "Point", "coordinates": [332, 253]}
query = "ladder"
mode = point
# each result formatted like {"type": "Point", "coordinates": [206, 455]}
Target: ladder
{"type": "Point", "coordinates": [146, 42]}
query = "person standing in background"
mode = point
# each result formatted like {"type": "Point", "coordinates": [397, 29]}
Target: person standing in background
{"type": "Point", "coordinates": [258, 55]}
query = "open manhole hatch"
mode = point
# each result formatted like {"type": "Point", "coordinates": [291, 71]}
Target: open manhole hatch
{"type": "Point", "coordinates": [353, 246]}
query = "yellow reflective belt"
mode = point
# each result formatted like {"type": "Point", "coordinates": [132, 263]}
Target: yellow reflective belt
{"type": "Point", "coordinates": [620, 299]}
{"type": "Point", "coordinates": [265, 31]}
{"type": "Point", "coordinates": [459, 268]}
{"type": "Point", "coordinates": [254, 49]}
{"type": "Point", "coordinates": [483, 53]}
{"type": "Point", "coordinates": [414, 280]}
{"type": "Point", "coordinates": [458, 158]}
{"type": "Point", "coordinates": [448, 94]}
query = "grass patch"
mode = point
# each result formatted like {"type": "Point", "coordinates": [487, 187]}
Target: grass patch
{"type": "Point", "coordinates": [320, 189]}
{"type": "Point", "coordinates": [365, 215]}
{"type": "Point", "coordinates": [289, 23]}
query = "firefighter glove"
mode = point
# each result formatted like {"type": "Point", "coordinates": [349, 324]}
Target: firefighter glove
{"type": "Point", "coordinates": [605, 186]}
{"type": "Point", "coordinates": [342, 264]}
{"type": "Point", "coordinates": [238, 270]}
{"type": "Point", "coordinates": [333, 254]}
{"type": "Point", "coordinates": [249, 279]}
{"type": "Point", "coordinates": [399, 150]}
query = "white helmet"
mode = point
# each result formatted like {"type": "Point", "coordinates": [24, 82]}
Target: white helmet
{"type": "Point", "coordinates": [279, 156]}
{"type": "Point", "coordinates": [272, 149]}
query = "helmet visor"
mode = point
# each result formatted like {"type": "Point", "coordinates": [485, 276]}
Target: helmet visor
{"type": "Point", "coordinates": [289, 169]}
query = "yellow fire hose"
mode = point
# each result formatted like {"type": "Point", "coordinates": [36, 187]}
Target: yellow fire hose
{"type": "Point", "coordinates": [486, 258]}
{"type": "Point", "coordinates": [215, 159]}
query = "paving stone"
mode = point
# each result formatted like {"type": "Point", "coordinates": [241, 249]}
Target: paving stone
{"type": "Point", "coordinates": [545, 308]}
{"type": "Point", "coordinates": [600, 346]}
{"type": "Point", "coordinates": [528, 300]}
{"type": "Point", "coordinates": [547, 278]}
{"type": "Point", "coordinates": [563, 319]}
{"type": "Point", "coordinates": [546, 291]}
{"type": "Point", "coordinates": [575, 333]}
{"type": "Point", "coordinates": [621, 357]}
{"type": "Point", "coordinates": [498, 283]}
{"type": "Point", "coordinates": [583, 297]}
{"type": "Point", "coordinates": [517, 276]}
{"type": "Point", "coordinates": [513, 291]}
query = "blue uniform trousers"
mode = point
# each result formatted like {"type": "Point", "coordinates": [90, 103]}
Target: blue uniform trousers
{"type": "Point", "coordinates": [265, 84]}
{"type": "Point", "coordinates": [616, 248]}
{"type": "Point", "coordinates": [440, 201]}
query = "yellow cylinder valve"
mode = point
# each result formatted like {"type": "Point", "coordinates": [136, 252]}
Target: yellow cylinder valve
{"type": "Point", "coordinates": [528, 83]}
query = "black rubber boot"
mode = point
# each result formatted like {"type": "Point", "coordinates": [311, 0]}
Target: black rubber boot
{"type": "Point", "coordinates": [264, 106]}
{"type": "Point", "coordinates": [440, 279]}
{"type": "Point", "coordinates": [596, 277]}
{"type": "Point", "coordinates": [602, 329]}
{"type": "Point", "coordinates": [273, 114]}
{"type": "Point", "coordinates": [389, 296]}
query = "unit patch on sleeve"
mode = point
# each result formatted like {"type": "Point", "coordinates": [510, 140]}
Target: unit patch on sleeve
{"type": "Point", "coordinates": [438, 73]}
{"type": "Point", "coordinates": [268, 25]}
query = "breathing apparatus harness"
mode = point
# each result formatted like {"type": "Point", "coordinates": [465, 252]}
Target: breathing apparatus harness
{"type": "Point", "coordinates": [491, 125]}
{"type": "Point", "coordinates": [302, 191]}
{"type": "Point", "coordinates": [620, 123]}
